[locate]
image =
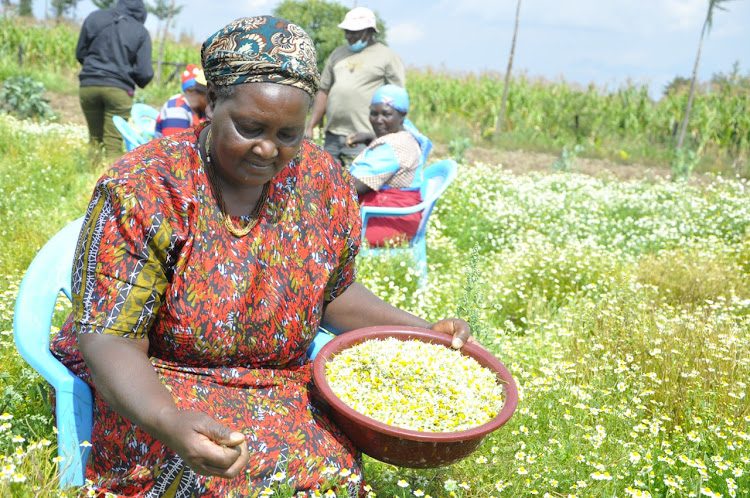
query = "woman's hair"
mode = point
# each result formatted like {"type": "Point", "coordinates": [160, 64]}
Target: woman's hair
{"type": "Point", "coordinates": [262, 49]}
{"type": "Point", "coordinates": [224, 92]}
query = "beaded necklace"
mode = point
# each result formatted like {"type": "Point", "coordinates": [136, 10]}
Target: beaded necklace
{"type": "Point", "coordinates": [228, 223]}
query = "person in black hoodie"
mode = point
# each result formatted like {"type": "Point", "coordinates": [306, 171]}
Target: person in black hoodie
{"type": "Point", "coordinates": [114, 49]}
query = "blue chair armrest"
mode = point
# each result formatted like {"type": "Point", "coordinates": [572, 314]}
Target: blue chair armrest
{"type": "Point", "coordinates": [322, 338]}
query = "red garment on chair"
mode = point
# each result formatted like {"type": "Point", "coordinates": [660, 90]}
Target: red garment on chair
{"type": "Point", "coordinates": [384, 229]}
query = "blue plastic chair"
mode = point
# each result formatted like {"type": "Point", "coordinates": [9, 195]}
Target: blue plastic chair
{"type": "Point", "coordinates": [132, 137]}
{"type": "Point", "coordinates": [144, 118]}
{"type": "Point", "coordinates": [46, 277]}
{"type": "Point", "coordinates": [437, 177]}
{"type": "Point", "coordinates": [49, 274]}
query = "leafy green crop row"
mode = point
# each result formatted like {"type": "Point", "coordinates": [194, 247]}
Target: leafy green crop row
{"type": "Point", "coordinates": [51, 47]}
{"type": "Point", "coordinates": [618, 124]}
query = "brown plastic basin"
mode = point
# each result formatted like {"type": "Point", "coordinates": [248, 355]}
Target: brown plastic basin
{"type": "Point", "coordinates": [404, 447]}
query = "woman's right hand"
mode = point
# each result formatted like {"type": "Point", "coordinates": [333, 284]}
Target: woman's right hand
{"type": "Point", "coordinates": [126, 380]}
{"type": "Point", "coordinates": [206, 445]}
{"type": "Point", "coordinates": [359, 138]}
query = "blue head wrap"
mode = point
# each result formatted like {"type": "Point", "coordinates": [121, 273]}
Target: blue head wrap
{"type": "Point", "coordinates": [392, 95]}
{"type": "Point", "coordinates": [398, 98]}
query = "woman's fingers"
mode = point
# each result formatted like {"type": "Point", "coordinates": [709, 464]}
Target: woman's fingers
{"type": "Point", "coordinates": [237, 457]}
{"type": "Point", "coordinates": [207, 446]}
{"type": "Point", "coordinates": [229, 454]}
{"type": "Point", "coordinates": [456, 327]}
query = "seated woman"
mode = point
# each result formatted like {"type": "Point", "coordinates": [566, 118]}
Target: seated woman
{"type": "Point", "coordinates": [204, 269]}
{"type": "Point", "coordinates": [185, 109]}
{"type": "Point", "coordinates": [389, 171]}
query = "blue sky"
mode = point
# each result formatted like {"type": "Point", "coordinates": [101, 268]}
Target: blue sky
{"type": "Point", "coordinates": [609, 43]}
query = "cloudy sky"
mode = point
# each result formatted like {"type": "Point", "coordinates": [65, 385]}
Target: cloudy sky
{"type": "Point", "coordinates": [607, 42]}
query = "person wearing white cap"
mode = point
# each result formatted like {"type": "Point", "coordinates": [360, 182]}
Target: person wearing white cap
{"type": "Point", "coordinates": [350, 77]}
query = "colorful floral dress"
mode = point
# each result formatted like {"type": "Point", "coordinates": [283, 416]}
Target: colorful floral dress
{"type": "Point", "coordinates": [228, 319]}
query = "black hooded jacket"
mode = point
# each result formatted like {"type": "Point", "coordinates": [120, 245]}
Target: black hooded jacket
{"type": "Point", "coordinates": [114, 47]}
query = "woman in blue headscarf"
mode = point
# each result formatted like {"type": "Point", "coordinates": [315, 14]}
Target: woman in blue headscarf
{"type": "Point", "coordinates": [389, 171]}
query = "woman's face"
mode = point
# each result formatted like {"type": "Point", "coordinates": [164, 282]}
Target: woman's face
{"type": "Point", "coordinates": [257, 131]}
{"type": "Point", "coordinates": [385, 119]}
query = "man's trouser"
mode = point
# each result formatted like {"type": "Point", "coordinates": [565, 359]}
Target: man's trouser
{"type": "Point", "coordinates": [99, 105]}
{"type": "Point", "coordinates": [336, 146]}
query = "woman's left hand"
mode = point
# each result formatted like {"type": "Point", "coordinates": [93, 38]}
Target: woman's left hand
{"type": "Point", "coordinates": [456, 327]}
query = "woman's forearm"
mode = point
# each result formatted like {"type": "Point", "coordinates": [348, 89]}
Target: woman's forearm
{"type": "Point", "coordinates": [357, 307]}
{"type": "Point", "coordinates": [125, 378]}
{"type": "Point", "coordinates": [317, 112]}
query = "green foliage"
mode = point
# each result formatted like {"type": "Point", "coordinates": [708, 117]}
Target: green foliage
{"type": "Point", "coordinates": [24, 97]}
{"type": "Point", "coordinates": [683, 163]}
{"type": "Point", "coordinates": [707, 24]}
{"type": "Point", "coordinates": [24, 8]}
{"type": "Point", "coordinates": [621, 125]}
{"type": "Point", "coordinates": [44, 169]}
{"type": "Point", "coordinates": [457, 148]}
{"type": "Point", "coordinates": [104, 4]}
{"type": "Point", "coordinates": [731, 80]}
{"type": "Point", "coordinates": [45, 47]}
{"type": "Point", "coordinates": [621, 309]}
{"type": "Point", "coordinates": [49, 55]}
{"type": "Point", "coordinates": [678, 84]}
{"type": "Point", "coordinates": [567, 160]}
{"type": "Point", "coordinates": [320, 20]}
{"type": "Point", "coordinates": [548, 115]}
{"type": "Point", "coordinates": [689, 276]}
{"type": "Point", "coordinates": [472, 300]}
{"type": "Point", "coordinates": [61, 8]}
{"type": "Point", "coordinates": [163, 9]}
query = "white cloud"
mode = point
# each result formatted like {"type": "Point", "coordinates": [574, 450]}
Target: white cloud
{"type": "Point", "coordinates": [259, 5]}
{"type": "Point", "coordinates": [405, 33]}
{"type": "Point", "coordinates": [482, 9]}
{"type": "Point", "coordinates": [684, 14]}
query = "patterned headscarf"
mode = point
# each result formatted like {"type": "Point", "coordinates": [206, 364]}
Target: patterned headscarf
{"type": "Point", "coordinates": [262, 49]}
{"type": "Point", "coordinates": [392, 95]}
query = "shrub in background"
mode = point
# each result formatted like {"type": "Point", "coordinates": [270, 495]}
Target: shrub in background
{"type": "Point", "coordinates": [23, 96]}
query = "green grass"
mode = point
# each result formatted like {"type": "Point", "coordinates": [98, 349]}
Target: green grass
{"type": "Point", "coordinates": [621, 309]}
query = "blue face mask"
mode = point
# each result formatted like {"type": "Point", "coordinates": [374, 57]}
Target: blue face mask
{"type": "Point", "coordinates": [358, 46]}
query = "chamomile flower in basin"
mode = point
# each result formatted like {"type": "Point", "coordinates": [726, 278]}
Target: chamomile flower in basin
{"type": "Point", "coordinates": [406, 398]}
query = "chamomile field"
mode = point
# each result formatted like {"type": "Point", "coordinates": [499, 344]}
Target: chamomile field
{"type": "Point", "coordinates": [622, 310]}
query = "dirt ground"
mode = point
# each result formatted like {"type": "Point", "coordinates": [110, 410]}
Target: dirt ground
{"type": "Point", "coordinates": [521, 162]}
{"type": "Point", "coordinates": [515, 161]}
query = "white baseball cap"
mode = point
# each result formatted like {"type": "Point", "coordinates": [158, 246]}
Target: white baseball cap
{"type": "Point", "coordinates": [358, 19]}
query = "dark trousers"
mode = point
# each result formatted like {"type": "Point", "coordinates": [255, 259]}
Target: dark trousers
{"type": "Point", "coordinates": [336, 146]}
{"type": "Point", "coordinates": [99, 105]}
